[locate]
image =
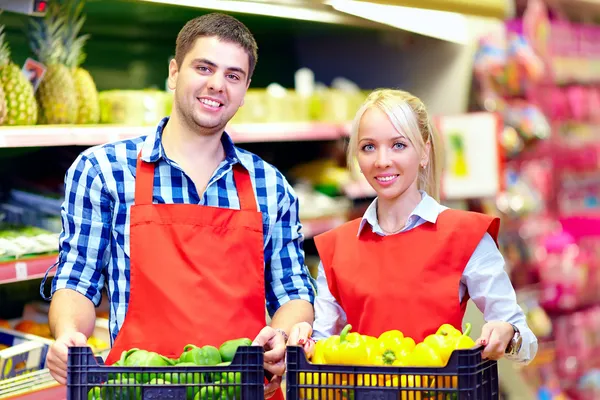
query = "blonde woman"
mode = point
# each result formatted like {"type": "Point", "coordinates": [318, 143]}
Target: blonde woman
{"type": "Point", "coordinates": [410, 263]}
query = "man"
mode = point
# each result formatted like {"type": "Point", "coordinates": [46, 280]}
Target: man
{"type": "Point", "coordinates": [183, 227]}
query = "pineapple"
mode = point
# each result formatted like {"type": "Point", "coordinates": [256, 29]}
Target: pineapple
{"type": "Point", "coordinates": [56, 93]}
{"type": "Point", "coordinates": [17, 99]}
{"type": "Point", "coordinates": [85, 88]}
{"type": "Point", "coordinates": [2, 106]}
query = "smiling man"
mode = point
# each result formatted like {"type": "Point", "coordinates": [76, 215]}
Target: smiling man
{"type": "Point", "coordinates": [189, 234]}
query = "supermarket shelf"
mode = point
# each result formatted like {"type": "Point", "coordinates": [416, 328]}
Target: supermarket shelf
{"type": "Point", "coordinates": [36, 385]}
{"type": "Point", "coordinates": [312, 228]}
{"type": "Point", "coordinates": [35, 268]}
{"type": "Point", "coordinates": [31, 268]}
{"type": "Point", "coordinates": [81, 135]}
{"type": "Point", "coordinates": [278, 132]}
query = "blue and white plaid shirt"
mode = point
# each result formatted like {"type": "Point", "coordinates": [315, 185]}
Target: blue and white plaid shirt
{"type": "Point", "coordinates": [99, 190]}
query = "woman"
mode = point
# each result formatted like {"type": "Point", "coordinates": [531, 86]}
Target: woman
{"type": "Point", "coordinates": [411, 264]}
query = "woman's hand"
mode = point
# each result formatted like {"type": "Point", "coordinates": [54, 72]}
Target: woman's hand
{"type": "Point", "coordinates": [495, 336]}
{"type": "Point", "coordinates": [300, 335]}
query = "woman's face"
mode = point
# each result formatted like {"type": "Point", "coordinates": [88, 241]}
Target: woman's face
{"type": "Point", "coordinates": [386, 157]}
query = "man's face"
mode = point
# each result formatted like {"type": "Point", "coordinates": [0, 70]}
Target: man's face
{"type": "Point", "coordinates": [210, 84]}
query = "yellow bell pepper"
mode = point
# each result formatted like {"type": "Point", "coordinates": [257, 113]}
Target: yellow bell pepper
{"type": "Point", "coordinates": [318, 357]}
{"type": "Point", "coordinates": [449, 339]}
{"type": "Point", "coordinates": [425, 356]}
{"type": "Point", "coordinates": [324, 383]}
{"type": "Point", "coordinates": [442, 346]}
{"type": "Point", "coordinates": [412, 381]}
{"type": "Point", "coordinates": [448, 330]}
{"type": "Point", "coordinates": [391, 338]}
{"type": "Point", "coordinates": [389, 350]}
{"type": "Point", "coordinates": [347, 348]}
{"type": "Point", "coordinates": [463, 341]}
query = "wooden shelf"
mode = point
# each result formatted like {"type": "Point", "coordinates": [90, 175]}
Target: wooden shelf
{"type": "Point", "coordinates": [82, 135]}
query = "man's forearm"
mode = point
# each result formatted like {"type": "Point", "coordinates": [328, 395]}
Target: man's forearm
{"type": "Point", "coordinates": [291, 313]}
{"type": "Point", "coordinates": [71, 311]}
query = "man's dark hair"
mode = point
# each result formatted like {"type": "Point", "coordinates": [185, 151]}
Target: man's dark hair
{"type": "Point", "coordinates": [224, 27]}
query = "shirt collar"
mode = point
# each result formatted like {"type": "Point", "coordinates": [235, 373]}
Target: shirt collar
{"type": "Point", "coordinates": [153, 150]}
{"type": "Point", "coordinates": [428, 209]}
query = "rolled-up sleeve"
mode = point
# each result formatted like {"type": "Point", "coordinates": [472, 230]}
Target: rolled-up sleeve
{"type": "Point", "coordinates": [286, 275]}
{"type": "Point", "coordinates": [86, 216]}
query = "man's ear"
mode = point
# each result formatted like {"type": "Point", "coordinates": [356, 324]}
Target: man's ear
{"type": "Point", "coordinates": [173, 71]}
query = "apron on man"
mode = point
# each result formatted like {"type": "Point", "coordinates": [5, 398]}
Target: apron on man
{"type": "Point", "coordinates": [196, 272]}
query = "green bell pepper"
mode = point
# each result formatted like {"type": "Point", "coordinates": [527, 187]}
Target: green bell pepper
{"type": "Point", "coordinates": [206, 355]}
{"type": "Point", "coordinates": [229, 348]}
{"type": "Point", "coordinates": [211, 393]}
{"type": "Point", "coordinates": [188, 378]}
{"type": "Point", "coordinates": [143, 358]}
{"type": "Point", "coordinates": [232, 384]}
{"type": "Point", "coordinates": [114, 389]}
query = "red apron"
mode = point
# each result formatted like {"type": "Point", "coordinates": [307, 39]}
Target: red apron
{"type": "Point", "coordinates": [408, 281]}
{"type": "Point", "coordinates": [197, 272]}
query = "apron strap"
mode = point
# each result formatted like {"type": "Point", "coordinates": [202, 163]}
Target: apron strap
{"type": "Point", "coordinates": [144, 182]}
{"type": "Point", "coordinates": [243, 183]}
{"type": "Point", "coordinates": [144, 185]}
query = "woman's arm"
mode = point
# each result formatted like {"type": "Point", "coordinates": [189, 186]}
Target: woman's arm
{"type": "Point", "coordinates": [330, 318]}
{"type": "Point", "coordinates": [492, 292]}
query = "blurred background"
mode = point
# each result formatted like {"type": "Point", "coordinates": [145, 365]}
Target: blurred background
{"type": "Point", "coordinates": [513, 86]}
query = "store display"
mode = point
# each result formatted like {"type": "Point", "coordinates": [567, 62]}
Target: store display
{"type": "Point", "coordinates": [18, 102]}
{"type": "Point", "coordinates": [88, 111]}
{"type": "Point", "coordinates": [134, 107]}
{"type": "Point", "coordinates": [17, 242]}
{"type": "Point", "coordinates": [56, 93]}
{"type": "Point", "coordinates": [20, 354]}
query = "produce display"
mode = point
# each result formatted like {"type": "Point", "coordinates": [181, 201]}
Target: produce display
{"type": "Point", "coordinates": [17, 100]}
{"type": "Point", "coordinates": [42, 329]}
{"type": "Point", "coordinates": [134, 107]}
{"type": "Point", "coordinates": [56, 94]}
{"type": "Point", "coordinates": [88, 111]}
{"type": "Point", "coordinates": [209, 385]}
{"type": "Point", "coordinates": [20, 241]}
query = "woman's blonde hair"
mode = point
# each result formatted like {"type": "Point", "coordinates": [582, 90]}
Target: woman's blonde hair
{"type": "Point", "coordinates": [409, 116]}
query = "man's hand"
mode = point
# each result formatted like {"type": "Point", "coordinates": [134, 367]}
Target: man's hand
{"type": "Point", "coordinates": [495, 336]}
{"type": "Point", "coordinates": [58, 352]}
{"type": "Point", "coordinates": [274, 358]}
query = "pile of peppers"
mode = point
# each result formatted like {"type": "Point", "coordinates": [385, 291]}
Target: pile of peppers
{"type": "Point", "coordinates": [392, 348]}
{"type": "Point", "coordinates": [216, 385]}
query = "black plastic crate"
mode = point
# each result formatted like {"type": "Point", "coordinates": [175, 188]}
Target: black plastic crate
{"type": "Point", "coordinates": [89, 379]}
{"type": "Point", "coordinates": [466, 376]}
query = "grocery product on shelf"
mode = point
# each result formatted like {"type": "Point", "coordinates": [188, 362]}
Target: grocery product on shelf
{"type": "Point", "coordinates": [56, 93]}
{"type": "Point", "coordinates": [134, 107]}
{"type": "Point", "coordinates": [315, 205]}
{"type": "Point", "coordinates": [88, 111]}
{"type": "Point", "coordinates": [17, 242]}
{"type": "Point", "coordinates": [20, 354]}
{"type": "Point", "coordinates": [18, 96]}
